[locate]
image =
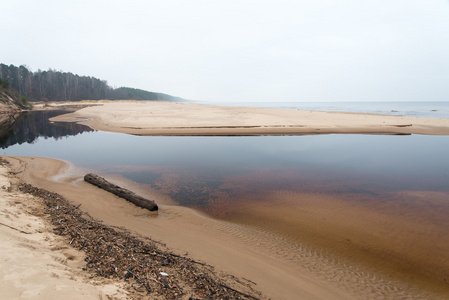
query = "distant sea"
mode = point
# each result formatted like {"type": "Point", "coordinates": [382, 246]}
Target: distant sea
{"type": "Point", "coordinates": [408, 109]}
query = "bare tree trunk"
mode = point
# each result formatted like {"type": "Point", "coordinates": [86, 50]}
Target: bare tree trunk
{"type": "Point", "coordinates": [121, 192]}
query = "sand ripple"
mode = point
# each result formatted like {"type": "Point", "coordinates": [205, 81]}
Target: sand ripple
{"type": "Point", "coordinates": [356, 273]}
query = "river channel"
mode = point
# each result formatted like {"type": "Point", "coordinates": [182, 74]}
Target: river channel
{"type": "Point", "coordinates": [385, 197]}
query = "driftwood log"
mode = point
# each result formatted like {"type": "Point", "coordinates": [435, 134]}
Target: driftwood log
{"type": "Point", "coordinates": [121, 192]}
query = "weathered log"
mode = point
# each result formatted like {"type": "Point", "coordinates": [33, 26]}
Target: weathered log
{"type": "Point", "coordinates": [120, 192]}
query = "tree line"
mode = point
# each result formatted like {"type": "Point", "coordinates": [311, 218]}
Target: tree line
{"type": "Point", "coordinates": [55, 85]}
{"type": "Point", "coordinates": [11, 98]}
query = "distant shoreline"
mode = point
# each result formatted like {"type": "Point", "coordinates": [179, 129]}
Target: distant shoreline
{"type": "Point", "coordinates": [180, 118]}
{"type": "Point", "coordinates": [434, 110]}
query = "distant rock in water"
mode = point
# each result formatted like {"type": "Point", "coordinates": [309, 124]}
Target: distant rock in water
{"type": "Point", "coordinates": [120, 192]}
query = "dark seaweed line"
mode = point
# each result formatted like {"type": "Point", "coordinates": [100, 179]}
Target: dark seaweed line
{"type": "Point", "coordinates": [148, 270]}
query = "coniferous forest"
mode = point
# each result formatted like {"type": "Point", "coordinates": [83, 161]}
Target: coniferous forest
{"type": "Point", "coordinates": [54, 85]}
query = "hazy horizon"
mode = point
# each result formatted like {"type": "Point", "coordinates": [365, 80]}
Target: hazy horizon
{"type": "Point", "coordinates": [241, 51]}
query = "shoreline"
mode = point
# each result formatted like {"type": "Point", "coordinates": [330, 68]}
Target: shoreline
{"type": "Point", "coordinates": [278, 268]}
{"type": "Point", "coordinates": [178, 118]}
{"type": "Point", "coordinates": [36, 263]}
{"type": "Point", "coordinates": [230, 248]}
{"type": "Point", "coordinates": [281, 269]}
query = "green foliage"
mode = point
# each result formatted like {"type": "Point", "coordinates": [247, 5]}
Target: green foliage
{"type": "Point", "coordinates": [125, 93]}
{"type": "Point", "coordinates": [4, 83]}
{"type": "Point", "coordinates": [10, 96]}
{"type": "Point", "coordinates": [25, 102]}
{"type": "Point", "coordinates": [54, 85]}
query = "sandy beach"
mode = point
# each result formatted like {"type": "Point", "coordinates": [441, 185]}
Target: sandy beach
{"type": "Point", "coordinates": [319, 265]}
{"type": "Point", "coordinates": [176, 118]}
{"type": "Point", "coordinates": [36, 263]}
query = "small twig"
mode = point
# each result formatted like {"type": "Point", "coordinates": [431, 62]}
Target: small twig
{"type": "Point", "coordinates": [191, 260]}
{"type": "Point", "coordinates": [241, 293]}
{"type": "Point", "coordinates": [151, 278]}
{"type": "Point", "coordinates": [155, 254]}
{"type": "Point", "coordinates": [73, 208]}
{"type": "Point", "coordinates": [140, 280]}
{"type": "Point", "coordinates": [250, 281]}
{"type": "Point", "coordinates": [15, 229]}
{"type": "Point", "coordinates": [115, 270]}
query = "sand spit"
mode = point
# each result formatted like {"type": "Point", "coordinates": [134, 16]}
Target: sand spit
{"type": "Point", "coordinates": [175, 118]}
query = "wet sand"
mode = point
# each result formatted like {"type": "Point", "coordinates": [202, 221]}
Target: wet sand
{"type": "Point", "coordinates": [396, 245]}
{"type": "Point", "coordinates": [391, 235]}
{"type": "Point", "coordinates": [345, 250]}
{"type": "Point", "coordinates": [232, 248]}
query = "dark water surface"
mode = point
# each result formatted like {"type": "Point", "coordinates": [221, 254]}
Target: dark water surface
{"type": "Point", "coordinates": [197, 170]}
{"type": "Point", "coordinates": [32, 126]}
{"type": "Point", "coordinates": [380, 201]}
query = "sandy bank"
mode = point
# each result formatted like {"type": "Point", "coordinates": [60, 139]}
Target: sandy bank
{"type": "Point", "coordinates": [278, 267]}
{"type": "Point", "coordinates": [172, 118]}
{"type": "Point", "coordinates": [234, 249]}
{"type": "Point", "coordinates": [37, 264]}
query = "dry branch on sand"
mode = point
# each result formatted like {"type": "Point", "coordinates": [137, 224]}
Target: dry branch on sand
{"type": "Point", "coordinates": [120, 192]}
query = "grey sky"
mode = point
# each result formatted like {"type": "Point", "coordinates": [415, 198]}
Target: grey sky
{"type": "Point", "coordinates": [246, 50]}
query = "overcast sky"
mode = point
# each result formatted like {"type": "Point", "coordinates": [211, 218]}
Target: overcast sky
{"type": "Point", "coordinates": [245, 50]}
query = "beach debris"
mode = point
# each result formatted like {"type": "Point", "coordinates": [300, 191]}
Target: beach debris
{"type": "Point", "coordinates": [120, 192]}
{"type": "Point", "coordinates": [115, 253]}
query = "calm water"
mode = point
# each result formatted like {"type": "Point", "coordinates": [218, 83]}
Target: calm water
{"type": "Point", "coordinates": [408, 109]}
{"type": "Point", "coordinates": [380, 201]}
{"type": "Point", "coordinates": [197, 170]}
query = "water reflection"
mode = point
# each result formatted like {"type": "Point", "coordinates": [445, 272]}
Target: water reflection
{"type": "Point", "coordinates": [379, 200]}
{"type": "Point", "coordinates": [199, 171]}
{"type": "Point", "coordinates": [202, 171]}
{"type": "Point", "coordinates": [32, 125]}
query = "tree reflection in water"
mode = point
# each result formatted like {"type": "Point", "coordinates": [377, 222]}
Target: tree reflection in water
{"type": "Point", "coordinates": [32, 125]}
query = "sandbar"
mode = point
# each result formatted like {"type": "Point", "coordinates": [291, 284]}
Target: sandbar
{"type": "Point", "coordinates": [182, 118]}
